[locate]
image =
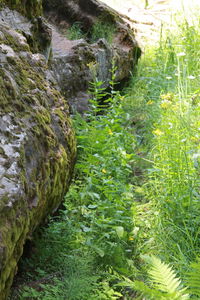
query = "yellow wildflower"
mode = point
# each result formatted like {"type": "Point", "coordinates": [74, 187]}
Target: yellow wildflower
{"type": "Point", "coordinates": [139, 190]}
{"type": "Point", "coordinates": [175, 107]}
{"type": "Point", "coordinates": [195, 139]}
{"type": "Point", "coordinates": [110, 132]}
{"type": "Point", "coordinates": [165, 104]}
{"type": "Point", "coordinates": [168, 96]}
{"type": "Point", "coordinates": [150, 102]}
{"type": "Point", "coordinates": [104, 171]}
{"type": "Point", "coordinates": [157, 132]}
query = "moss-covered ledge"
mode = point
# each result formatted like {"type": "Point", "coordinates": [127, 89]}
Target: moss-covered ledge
{"type": "Point", "coordinates": [29, 8]}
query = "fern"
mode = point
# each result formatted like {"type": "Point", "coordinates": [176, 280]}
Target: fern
{"type": "Point", "coordinates": [164, 282]}
{"type": "Point", "coordinates": [148, 292]}
{"type": "Point", "coordinates": [193, 278]}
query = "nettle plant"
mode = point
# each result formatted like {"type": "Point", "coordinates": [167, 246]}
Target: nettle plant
{"type": "Point", "coordinates": [101, 200]}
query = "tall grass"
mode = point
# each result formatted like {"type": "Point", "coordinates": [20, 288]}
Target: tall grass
{"type": "Point", "coordinates": [166, 106]}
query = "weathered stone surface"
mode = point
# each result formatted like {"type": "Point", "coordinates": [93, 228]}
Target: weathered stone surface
{"type": "Point", "coordinates": [37, 32]}
{"type": "Point", "coordinates": [37, 148]}
{"type": "Point", "coordinates": [73, 61]}
{"type": "Point", "coordinates": [29, 8]}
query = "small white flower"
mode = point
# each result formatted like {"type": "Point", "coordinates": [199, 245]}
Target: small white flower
{"type": "Point", "coordinates": [135, 230]}
{"type": "Point", "coordinates": [168, 77]}
{"type": "Point", "coordinates": [196, 155]}
{"type": "Point", "coordinates": [170, 125]}
{"type": "Point", "coordinates": [183, 140]}
{"type": "Point", "coordinates": [191, 77]}
{"type": "Point", "coordinates": [180, 54]}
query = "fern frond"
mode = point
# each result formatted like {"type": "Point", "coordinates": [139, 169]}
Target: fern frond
{"type": "Point", "coordinates": [193, 278]}
{"type": "Point", "coordinates": [151, 294]}
{"type": "Point", "coordinates": [163, 278]}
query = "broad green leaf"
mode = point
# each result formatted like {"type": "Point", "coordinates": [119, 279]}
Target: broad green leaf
{"type": "Point", "coordinates": [120, 231]}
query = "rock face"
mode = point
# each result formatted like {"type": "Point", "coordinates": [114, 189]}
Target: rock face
{"type": "Point", "coordinates": [29, 8]}
{"type": "Point", "coordinates": [37, 148]}
{"type": "Point", "coordinates": [73, 62]}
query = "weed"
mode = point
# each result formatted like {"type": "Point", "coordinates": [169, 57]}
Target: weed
{"type": "Point", "coordinates": [104, 199]}
{"type": "Point", "coordinates": [102, 29]}
{"type": "Point", "coordinates": [75, 32]}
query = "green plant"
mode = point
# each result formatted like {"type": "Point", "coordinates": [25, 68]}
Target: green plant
{"type": "Point", "coordinates": [164, 283]}
{"type": "Point", "coordinates": [193, 278]}
{"type": "Point", "coordinates": [102, 29]}
{"type": "Point", "coordinates": [75, 32]}
{"type": "Point", "coordinates": [104, 199]}
{"type": "Point", "coordinates": [163, 100]}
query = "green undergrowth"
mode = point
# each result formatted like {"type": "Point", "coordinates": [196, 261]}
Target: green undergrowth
{"type": "Point", "coordinates": [88, 249]}
{"type": "Point", "coordinates": [135, 193]}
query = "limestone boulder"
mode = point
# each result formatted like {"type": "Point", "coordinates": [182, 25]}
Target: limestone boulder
{"type": "Point", "coordinates": [37, 148]}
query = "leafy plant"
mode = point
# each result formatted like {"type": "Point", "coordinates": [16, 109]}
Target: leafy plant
{"type": "Point", "coordinates": [164, 282]}
{"type": "Point", "coordinates": [104, 199]}
{"type": "Point", "coordinates": [90, 245]}
{"type": "Point", "coordinates": [193, 278]}
{"type": "Point", "coordinates": [75, 32]}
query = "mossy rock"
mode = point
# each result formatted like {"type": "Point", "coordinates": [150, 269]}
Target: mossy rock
{"type": "Point", "coordinates": [107, 41]}
{"type": "Point", "coordinates": [37, 149]}
{"type": "Point", "coordinates": [29, 8]}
